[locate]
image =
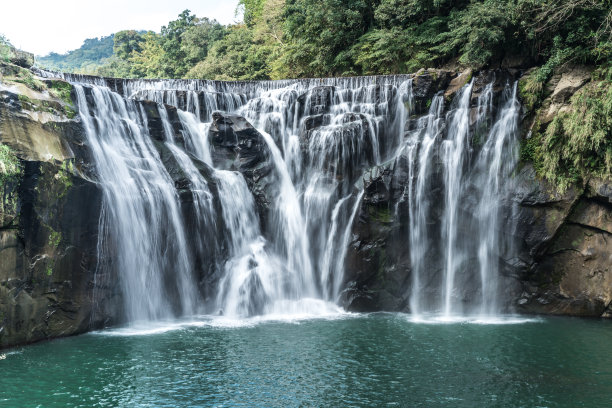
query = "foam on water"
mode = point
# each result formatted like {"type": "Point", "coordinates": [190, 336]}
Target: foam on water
{"type": "Point", "coordinates": [284, 311]}
{"type": "Point", "coordinates": [480, 320]}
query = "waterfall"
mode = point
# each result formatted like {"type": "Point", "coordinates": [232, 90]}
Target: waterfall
{"type": "Point", "coordinates": [141, 205]}
{"type": "Point", "coordinates": [496, 161]}
{"type": "Point", "coordinates": [186, 232]}
{"type": "Point", "coordinates": [428, 134]}
{"type": "Point", "coordinates": [460, 254]}
{"type": "Point", "coordinates": [250, 275]}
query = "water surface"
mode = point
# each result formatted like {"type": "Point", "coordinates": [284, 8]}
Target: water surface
{"type": "Point", "coordinates": [348, 360]}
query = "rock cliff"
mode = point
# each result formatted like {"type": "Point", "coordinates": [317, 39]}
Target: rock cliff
{"type": "Point", "coordinates": [52, 282]}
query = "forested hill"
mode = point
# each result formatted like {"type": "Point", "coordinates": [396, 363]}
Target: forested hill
{"type": "Point", "coordinates": [93, 54]}
{"type": "Point", "coordinates": [315, 38]}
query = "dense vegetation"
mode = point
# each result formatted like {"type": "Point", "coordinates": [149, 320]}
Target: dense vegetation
{"type": "Point", "coordinates": [94, 53]}
{"type": "Point", "coordinates": [310, 38]}
{"type": "Point", "coordinates": [577, 144]}
{"type": "Point", "coordinates": [298, 38]}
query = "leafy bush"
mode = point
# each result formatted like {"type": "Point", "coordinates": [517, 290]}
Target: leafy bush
{"type": "Point", "coordinates": [577, 144]}
{"type": "Point", "coordinates": [9, 164]}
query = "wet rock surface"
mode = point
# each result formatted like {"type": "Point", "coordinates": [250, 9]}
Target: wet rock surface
{"type": "Point", "coordinates": [48, 248]}
{"type": "Point", "coordinates": [236, 145]}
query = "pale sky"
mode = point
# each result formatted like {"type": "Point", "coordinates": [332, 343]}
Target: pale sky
{"type": "Point", "coordinates": [42, 26]}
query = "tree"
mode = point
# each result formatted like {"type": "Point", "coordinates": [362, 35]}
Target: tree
{"type": "Point", "coordinates": [126, 42]}
{"type": "Point", "coordinates": [320, 35]}
{"type": "Point", "coordinates": [236, 56]}
{"type": "Point", "coordinates": [148, 62]}
{"type": "Point", "coordinates": [197, 40]}
{"type": "Point", "coordinates": [174, 63]}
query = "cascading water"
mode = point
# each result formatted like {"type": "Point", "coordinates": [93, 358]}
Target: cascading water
{"type": "Point", "coordinates": [496, 161]}
{"type": "Point", "coordinates": [320, 136]}
{"type": "Point", "coordinates": [477, 161]}
{"type": "Point", "coordinates": [141, 208]}
{"type": "Point", "coordinates": [424, 143]}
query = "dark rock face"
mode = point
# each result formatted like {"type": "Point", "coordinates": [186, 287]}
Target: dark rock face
{"type": "Point", "coordinates": [236, 145]}
{"type": "Point", "coordinates": [566, 251]}
{"type": "Point", "coordinates": [49, 286]}
{"type": "Point", "coordinates": [377, 275]}
{"type": "Point", "coordinates": [49, 258]}
{"type": "Point", "coordinates": [425, 85]}
{"type": "Point", "coordinates": [21, 58]}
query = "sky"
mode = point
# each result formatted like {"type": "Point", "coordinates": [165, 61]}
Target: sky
{"type": "Point", "coordinates": [42, 26]}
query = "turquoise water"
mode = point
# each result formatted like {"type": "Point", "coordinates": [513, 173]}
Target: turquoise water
{"type": "Point", "coordinates": [380, 360]}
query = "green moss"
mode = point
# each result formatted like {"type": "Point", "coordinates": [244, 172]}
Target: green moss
{"type": "Point", "coordinates": [55, 238]}
{"type": "Point", "coordinates": [469, 77]}
{"type": "Point", "coordinates": [61, 90]}
{"type": "Point", "coordinates": [530, 149]}
{"type": "Point", "coordinates": [24, 76]}
{"type": "Point", "coordinates": [5, 52]}
{"type": "Point", "coordinates": [380, 214]}
{"type": "Point", "coordinates": [10, 167]}
{"type": "Point", "coordinates": [70, 112]}
{"type": "Point", "coordinates": [64, 176]}
{"type": "Point", "coordinates": [10, 174]}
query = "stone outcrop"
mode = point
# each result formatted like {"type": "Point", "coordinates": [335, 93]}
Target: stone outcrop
{"type": "Point", "coordinates": [48, 220]}
{"type": "Point", "coordinates": [566, 250]}
{"type": "Point", "coordinates": [377, 275]}
{"type": "Point", "coordinates": [236, 145]}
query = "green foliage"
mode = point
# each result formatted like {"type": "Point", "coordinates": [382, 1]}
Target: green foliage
{"type": "Point", "coordinates": [5, 49]}
{"type": "Point", "coordinates": [93, 53]}
{"type": "Point", "coordinates": [396, 50]}
{"type": "Point", "coordinates": [147, 63]}
{"type": "Point", "coordinates": [10, 174]}
{"type": "Point", "coordinates": [23, 76]}
{"type": "Point", "coordinates": [310, 38]}
{"type": "Point", "coordinates": [55, 238]}
{"type": "Point", "coordinates": [10, 167]}
{"type": "Point", "coordinates": [252, 10]}
{"type": "Point", "coordinates": [126, 42]}
{"type": "Point", "coordinates": [476, 33]}
{"type": "Point", "coordinates": [577, 144]}
{"type": "Point", "coordinates": [234, 57]}
{"type": "Point", "coordinates": [321, 34]}
{"type": "Point", "coordinates": [173, 62]}
{"type": "Point", "coordinates": [531, 89]}
{"type": "Point", "coordinates": [64, 176]}
{"type": "Point", "coordinates": [61, 90]}
{"type": "Point", "coordinates": [198, 39]}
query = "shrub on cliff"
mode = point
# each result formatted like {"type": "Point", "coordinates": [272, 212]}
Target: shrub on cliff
{"type": "Point", "coordinates": [577, 144]}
